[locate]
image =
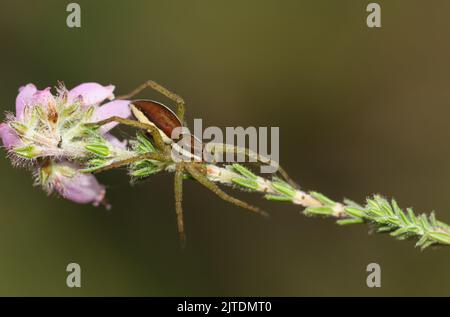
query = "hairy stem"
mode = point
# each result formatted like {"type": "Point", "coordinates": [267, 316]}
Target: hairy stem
{"type": "Point", "coordinates": [383, 215]}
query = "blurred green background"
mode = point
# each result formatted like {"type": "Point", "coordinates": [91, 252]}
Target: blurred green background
{"type": "Point", "coordinates": [360, 111]}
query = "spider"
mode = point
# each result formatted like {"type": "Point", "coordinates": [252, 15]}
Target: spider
{"type": "Point", "coordinates": [159, 121]}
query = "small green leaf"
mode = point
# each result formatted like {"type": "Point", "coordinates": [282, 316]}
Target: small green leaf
{"type": "Point", "coordinates": [422, 241]}
{"type": "Point", "coordinates": [400, 231]}
{"type": "Point", "coordinates": [443, 225]}
{"type": "Point", "coordinates": [372, 204]}
{"type": "Point", "coordinates": [277, 198]}
{"type": "Point", "coordinates": [399, 212]}
{"type": "Point", "coordinates": [432, 219]}
{"type": "Point", "coordinates": [384, 206]}
{"type": "Point", "coordinates": [355, 212]}
{"type": "Point", "coordinates": [99, 149]}
{"type": "Point", "coordinates": [89, 112]}
{"type": "Point", "coordinates": [411, 215]}
{"type": "Point", "coordinates": [39, 113]}
{"type": "Point", "coordinates": [415, 230]}
{"type": "Point", "coordinates": [93, 165]}
{"type": "Point", "coordinates": [351, 203]}
{"type": "Point", "coordinates": [394, 220]}
{"type": "Point", "coordinates": [144, 172]}
{"type": "Point", "coordinates": [424, 221]}
{"type": "Point", "coordinates": [43, 176]}
{"type": "Point", "coordinates": [375, 213]}
{"type": "Point", "coordinates": [244, 182]}
{"type": "Point", "coordinates": [28, 151]}
{"type": "Point", "coordinates": [244, 171]}
{"type": "Point", "coordinates": [69, 110]}
{"type": "Point", "coordinates": [349, 221]}
{"type": "Point", "coordinates": [384, 229]}
{"type": "Point", "coordinates": [19, 127]}
{"type": "Point", "coordinates": [88, 170]}
{"type": "Point", "coordinates": [322, 198]}
{"type": "Point", "coordinates": [144, 144]}
{"type": "Point", "coordinates": [439, 237]}
{"type": "Point", "coordinates": [283, 188]}
{"type": "Point", "coordinates": [326, 211]}
{"type": "Point", "coordinates": [427, 244]}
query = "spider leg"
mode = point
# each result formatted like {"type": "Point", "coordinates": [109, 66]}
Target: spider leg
{"type": "Point", "coordinates": [228, 148]}
{"type": "Point", "coordinates": [162, 90]}
{"type": "Point", "coordinates": [201, 178]}
{"type": "Point", "coordinates": [178, 187]}
{"type": "Point", "coordinates": [133, 123]}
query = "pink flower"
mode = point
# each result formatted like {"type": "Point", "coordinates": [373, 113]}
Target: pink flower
{"type": "Point", "coordinates": [56, 143]}
{"type": "Point", "coordinates": [64, 177]}
{"type": "Point", "coordinates": [8, 136]}
{"type": "Point", "coordinates": [119, 108]}
{"type": "Point", "coordinates": [91, 93]}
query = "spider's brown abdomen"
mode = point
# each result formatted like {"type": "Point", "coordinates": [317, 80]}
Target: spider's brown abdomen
{"type": "Point", "coordinates": [165, 120]}
{"type": "Point", "coordinates": [160, 115]}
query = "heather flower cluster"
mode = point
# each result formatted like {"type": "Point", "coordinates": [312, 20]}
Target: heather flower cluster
{"type": "Point", "coordinates": [48, 133]}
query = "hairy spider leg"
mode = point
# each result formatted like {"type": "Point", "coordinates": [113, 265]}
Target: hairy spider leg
{"type": "Point", "coordinates": [228, 148]}
{"type": "Point", "coordinates": [178, 188]}
{"type": "Point", "coordinates": [154, 132]}
{"type": "Point", "coordinates": [193, 170]}
{"type": "Point", "coordinates": [162, 90]}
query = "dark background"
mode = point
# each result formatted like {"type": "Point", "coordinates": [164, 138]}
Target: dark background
{"type": "Point", "coordinates": [360, 111]}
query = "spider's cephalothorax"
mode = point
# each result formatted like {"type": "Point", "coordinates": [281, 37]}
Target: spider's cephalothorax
{"type": "Point", "coordinates": [159, 121]}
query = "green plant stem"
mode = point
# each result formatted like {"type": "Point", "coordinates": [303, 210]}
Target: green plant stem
{"type": "Point", "coordinates": [383, 215]}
